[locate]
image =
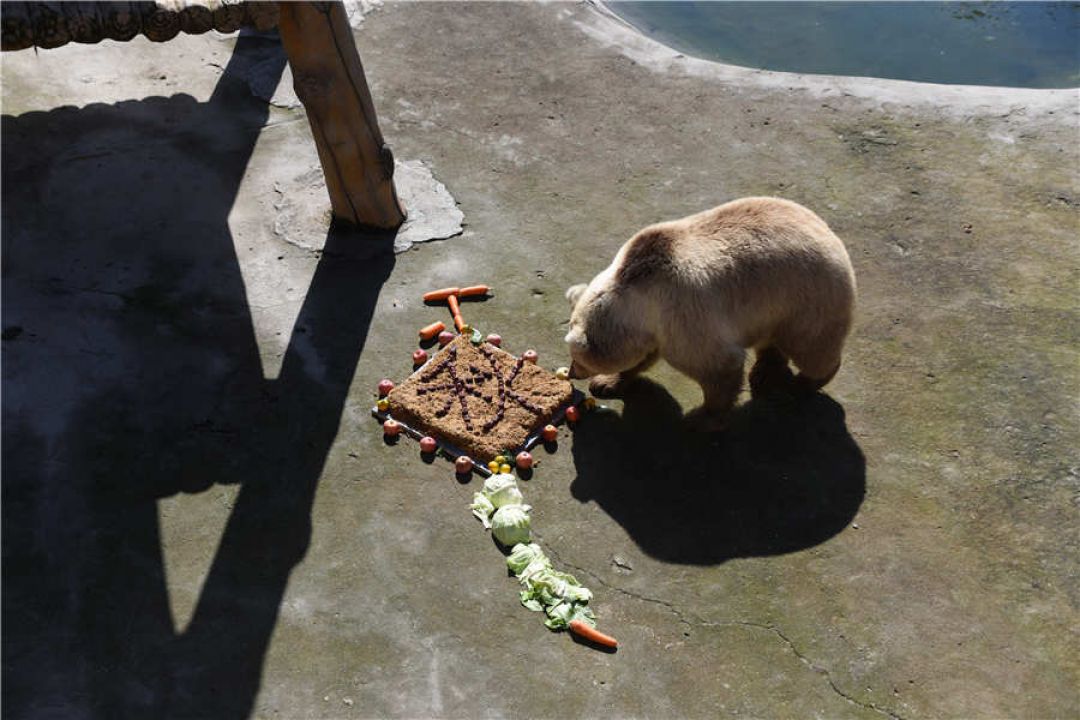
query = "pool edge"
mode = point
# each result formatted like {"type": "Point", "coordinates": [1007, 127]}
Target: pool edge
{"type": "Point", "coordinates": [603, 25]}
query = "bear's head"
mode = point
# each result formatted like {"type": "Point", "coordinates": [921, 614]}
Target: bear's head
{"type": "Point", "coordinates": [606, 334]}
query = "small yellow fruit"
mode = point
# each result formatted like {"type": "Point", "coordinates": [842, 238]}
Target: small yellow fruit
{"type": "Point", "coordinates": [499, 459]}
{"type": "Point", "coordinates": [383, 405]}
{"type": "Point", "coordinates": [493, 466]}
{"type": "Point", "coordinates": [505, 469]}
{"type": "Point", "coordinates": [563, 373]}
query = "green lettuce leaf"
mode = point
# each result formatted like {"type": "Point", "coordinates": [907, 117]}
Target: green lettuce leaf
{"type": "Point", "coordinates": [482, 509]}
{"type": "Point", "coordinates": [562, 614]}
{"type": "Point", "coordinates": [521, 555]}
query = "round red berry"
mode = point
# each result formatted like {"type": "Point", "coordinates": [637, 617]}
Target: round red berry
{"type": "Point", "coordinates": [391, 427]}
{"type": "Point", "coordinates": [446, 337]}
{"type": "Point", "coordinates": [572, 413]}
{"type": "Point", "coordinates": [385, 386]}
{"type": "Point", "coordinates": [428, 444]}
{"type": "Point", "coordinates": [463, 464]}
{"type": "Point", "coordinates": [419, 357]}
{"type": "Point", "coordinates": [550, 433]}
{"type": "Point", "coordinates": [524, 460]}
{"type": "Point", "coordinates": [494, 339]}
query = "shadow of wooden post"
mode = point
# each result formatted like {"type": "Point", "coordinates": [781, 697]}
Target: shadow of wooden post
{"type": "Point", "coordinates": [330, 82]}
{"type": "Point", "coordinates": [327, 75]}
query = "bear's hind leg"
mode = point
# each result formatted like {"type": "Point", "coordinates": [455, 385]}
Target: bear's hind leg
{"type": "Point", "coordinates": [610, 386]}
{"type": "Point", "coordinates": [809, 384]}
{"type": "Point", "coordinates": [770, 371]}
{"type": "Point", "coordinates": [818, 360]}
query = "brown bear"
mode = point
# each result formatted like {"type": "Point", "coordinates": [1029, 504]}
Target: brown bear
{"type": "Point", "coordinates": [760, 272]}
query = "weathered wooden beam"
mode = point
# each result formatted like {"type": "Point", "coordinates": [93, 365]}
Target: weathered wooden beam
{"type": "Point", "coordinates": [330, 82]}
{"type": "Point", "coordinates": [52, 24]}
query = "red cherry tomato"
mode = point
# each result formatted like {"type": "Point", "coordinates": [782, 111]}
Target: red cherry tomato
{"type": "Point", "coordinates": [419, 357]}
{"type": "Point", "coordinates": [385, 386]}
{"type": "Point", "coordinates": [529, 356]}
{"type": "Point", "coordinates": [446, 337]}
{"type": "Point", "coordinates": [572, 413]}
{"type": "Point", "coordinates": [494, 339]}
{"type": "Point", "coordinates": [524, 460]}
{"type": "Point", "coordinates": [463, 464]}
{"type": "Point", "coordinates": [550, 433]}
{"type": "Point", "coordinates": [428, 444]}
{"type": "Point", "coordinates": [391, 427]}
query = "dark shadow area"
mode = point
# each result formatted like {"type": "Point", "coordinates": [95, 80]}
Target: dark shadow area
{"type": "Point", "coordinates": [786, 475]}
{"type": "Point", "coordinates": [135, 375]}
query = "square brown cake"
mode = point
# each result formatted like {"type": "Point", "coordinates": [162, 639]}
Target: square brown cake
{"type": "Point", "coordinates": [479, 398]}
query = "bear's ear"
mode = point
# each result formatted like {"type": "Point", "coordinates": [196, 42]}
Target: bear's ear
{"type": "Point", "coordinates": [574, 293]}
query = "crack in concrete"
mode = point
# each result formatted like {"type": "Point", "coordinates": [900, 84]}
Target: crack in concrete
{"type": "Point", "coordinates": [805, 661]}
{"type": "Point", "coordinates": [683, 616]}
{"type": "Point", "coordinates": [637, 596]}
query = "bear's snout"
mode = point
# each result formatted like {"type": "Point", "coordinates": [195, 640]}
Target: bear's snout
{"type": "Point", "coordinates": [576, 372]}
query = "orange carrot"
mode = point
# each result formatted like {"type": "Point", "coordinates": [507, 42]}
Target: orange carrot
{"type": "Point", "coordinates": [426, 333]}
{"type": "Point", "coordinates": [455, 310]}
{"type": "Point", "coordinates": [585, 630]}
{"type": "Point", "coordinates": [473, 290]}
{"type": "Point", "coordinates": [440, 294]}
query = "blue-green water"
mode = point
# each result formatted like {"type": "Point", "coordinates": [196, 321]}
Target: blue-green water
{"type": "Point", "coordinates": [1018, 44]}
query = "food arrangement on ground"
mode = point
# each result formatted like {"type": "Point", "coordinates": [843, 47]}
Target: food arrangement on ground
{"type": "Point", "coordinates": [500, 506]}
{"type": "Point", "coordinates": [484, 408]}
{"type": "Point", "coordinates": [479, 398]}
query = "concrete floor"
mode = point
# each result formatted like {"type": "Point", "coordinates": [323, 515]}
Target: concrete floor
{"type": "Point", "coordinates": [200, 519]}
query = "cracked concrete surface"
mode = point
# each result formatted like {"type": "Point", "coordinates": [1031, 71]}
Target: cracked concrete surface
{"type": "Point", "coordinates": [200, 519]}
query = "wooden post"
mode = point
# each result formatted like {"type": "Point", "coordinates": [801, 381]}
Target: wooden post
{"type": "Point", "coordinates": [330, 82]}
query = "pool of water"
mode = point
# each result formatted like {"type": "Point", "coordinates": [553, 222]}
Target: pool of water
{"type": "Point", "coordinates": [1017, 44]}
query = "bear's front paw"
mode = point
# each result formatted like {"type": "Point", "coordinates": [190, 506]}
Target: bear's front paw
{"type": "Point", "coordinates": [607, 386]}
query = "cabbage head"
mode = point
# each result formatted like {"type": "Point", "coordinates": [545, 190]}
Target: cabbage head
{"type": "Point", "coordinates": [502, 489]}
{"type": "Point", "coordinates": [511, 525]}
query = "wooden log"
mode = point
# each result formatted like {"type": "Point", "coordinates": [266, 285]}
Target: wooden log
{"type": "Point", "coordinates": [16, 32]}
{"type": "Point", "coordinates": [121, 21]}
{"type": "Point", "coordinates": [83, 21]}
{"type": "Point", "coordinates": [330, 82]}
{"type": "Point", "coordinates": [160, 23]}
{"type": "Point", "coordinates": [228, 16]}
{"type": "Point", "coordinates": [49, 25]}
{"type": "Point", "coordinates": [196, 20]}
{"type": "Point", "coordinates": [52, 24]}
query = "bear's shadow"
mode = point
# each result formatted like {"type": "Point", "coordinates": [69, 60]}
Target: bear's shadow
{"type": "Point", "coordinates": [784, 476]}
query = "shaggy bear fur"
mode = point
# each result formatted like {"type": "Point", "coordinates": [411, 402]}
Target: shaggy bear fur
{"type": "Point", "coordinates": [760, 272]}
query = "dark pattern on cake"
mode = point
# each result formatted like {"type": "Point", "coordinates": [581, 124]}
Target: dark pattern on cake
{"type": "Point", "coordinates": [465, 385]}
{"type": "Point", "coordinates": [504, 388]}
{"type": "Point", "coordinates": [480, 398]}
